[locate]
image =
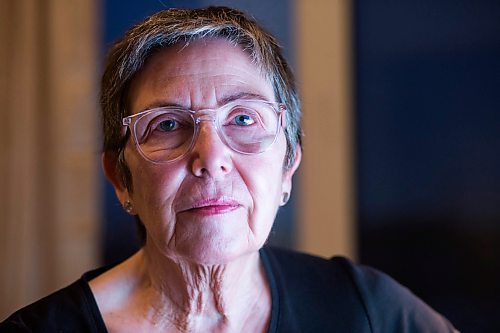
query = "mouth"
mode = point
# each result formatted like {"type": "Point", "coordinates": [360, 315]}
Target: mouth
{"type": "Point", "coordinates": [215, 206]}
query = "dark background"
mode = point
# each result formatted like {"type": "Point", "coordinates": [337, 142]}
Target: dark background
{"type": "Point", "coordinates": [428, 151]}
{"type": "Point", "coordinates": [427, 133]}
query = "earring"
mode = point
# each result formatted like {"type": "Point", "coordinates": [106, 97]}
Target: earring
{"type": "Point", "coordinates": [284, 198]}
{"type": "Point", "coordinates": [127, 205]}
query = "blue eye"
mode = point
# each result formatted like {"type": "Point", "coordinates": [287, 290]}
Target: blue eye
{"type": "Point", "coordinates": [243, 120]}
{"type": "Point", "coordinates": [168, 125]}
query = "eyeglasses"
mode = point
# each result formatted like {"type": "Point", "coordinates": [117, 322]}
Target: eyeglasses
{"type": "Point", "coordinates": [166, 134]}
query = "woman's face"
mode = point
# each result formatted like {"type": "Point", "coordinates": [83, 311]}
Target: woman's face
{"type": "Point", "coordinates": [214, 204]}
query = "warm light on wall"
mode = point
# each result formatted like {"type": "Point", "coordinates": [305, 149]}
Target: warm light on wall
{"type": "Point", "coordinates": [326, 222]}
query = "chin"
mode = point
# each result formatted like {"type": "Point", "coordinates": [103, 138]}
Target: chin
{"type": "Point", "coordinates": [216, 253]}
{"type": "Point", "coordinates": [215, 241]}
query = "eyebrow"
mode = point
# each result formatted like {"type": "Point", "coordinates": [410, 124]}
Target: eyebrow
{"type": "Point", "coordinates": [161, 104]}
{"type": "Point", "coordinates": [241, 95]}
{"type": "Point", "coordinates": [223, 101]}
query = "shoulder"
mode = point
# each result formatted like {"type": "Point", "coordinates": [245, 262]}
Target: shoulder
{"type": "Point", "coordinates": [71, 309]}
{"type": "Point", "coordinates": [314, 294]}
{"type": "Point", "coordinates": [392, 306]}
{"type": "Point", "coordinates": [378, 301]}
{"type": "Point", "coordinates": [293, 266]}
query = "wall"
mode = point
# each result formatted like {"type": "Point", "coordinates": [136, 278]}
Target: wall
{"type": "Point", "coordinates": [427, 133]}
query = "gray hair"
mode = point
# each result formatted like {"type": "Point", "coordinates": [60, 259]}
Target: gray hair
{"type": "Point", "coordinates": [129, 54]}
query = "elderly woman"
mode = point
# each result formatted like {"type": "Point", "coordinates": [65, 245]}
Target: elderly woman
{"type": "Point", "coordinates": [201, 140]}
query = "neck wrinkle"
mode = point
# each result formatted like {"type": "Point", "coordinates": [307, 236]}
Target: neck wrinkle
{"type": "Point", "coordinates": [186, 294]}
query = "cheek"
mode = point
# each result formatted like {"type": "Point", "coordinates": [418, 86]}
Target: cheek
{"type": "Point", "coordinates": [152, 184]}
{"type": "Point", "coordinates": [263, 176]}
{"type": "Point", "coordinates": [264, 183]}
{"type": "Point", "coordinates": [155, 188]}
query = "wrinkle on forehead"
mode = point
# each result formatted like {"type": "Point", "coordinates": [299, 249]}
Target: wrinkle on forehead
{"type": "Point", "coordinates": [214, 51]}
{"type": "Point", "coordinates": [197, 76]}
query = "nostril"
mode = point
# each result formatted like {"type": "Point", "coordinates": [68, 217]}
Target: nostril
{"type": "Point", "coordinates": [210, 160]}
{"type": "Point", "coordinates": [201, 172]}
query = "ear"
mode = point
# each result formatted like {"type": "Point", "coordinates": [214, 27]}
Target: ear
{"type": "Point", "coordinates": [289, 172]}
{"type": "Point", "coordinates": [110, 166]}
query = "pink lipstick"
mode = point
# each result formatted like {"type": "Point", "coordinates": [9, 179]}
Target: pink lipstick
{"type": "Point", "coordinates": [214, 206]}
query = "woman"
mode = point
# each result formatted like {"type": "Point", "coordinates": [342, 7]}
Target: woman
{"type": "Point", "coordinates": [201, 140]}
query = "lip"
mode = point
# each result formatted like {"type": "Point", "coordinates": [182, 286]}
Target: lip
{"type": "Point", "coordinates": [212, 206]}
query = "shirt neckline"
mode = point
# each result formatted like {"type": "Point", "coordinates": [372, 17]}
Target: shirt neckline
{"type": "Point", "coordinates": [275, 300]}
{"type": "Point", "coordinates": [99, 320]}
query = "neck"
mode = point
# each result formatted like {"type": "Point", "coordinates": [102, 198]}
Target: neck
{"type": "Point", "coordinates": [195, 297]}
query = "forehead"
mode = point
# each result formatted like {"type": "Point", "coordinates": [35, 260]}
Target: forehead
{"type": "Point", "coordinates": [202, 74]}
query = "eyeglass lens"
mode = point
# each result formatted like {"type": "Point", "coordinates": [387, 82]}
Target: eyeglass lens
{"type": "Point", "coordinates": [166, 134]}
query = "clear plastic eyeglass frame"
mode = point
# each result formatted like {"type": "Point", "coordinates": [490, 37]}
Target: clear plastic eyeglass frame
{"type": "Point", "coordinates": [209, 115]}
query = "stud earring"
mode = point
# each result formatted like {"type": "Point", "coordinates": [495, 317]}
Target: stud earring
{"type": "Point", "coordinates": [284, 198]}
{"type": "Point", "coordinates": [127, 205]}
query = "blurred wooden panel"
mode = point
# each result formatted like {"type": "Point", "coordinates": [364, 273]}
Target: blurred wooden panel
{"type": "Point", "coordinates": [326, 223]}
{"type": "Point", "coordinates": [49, 154]}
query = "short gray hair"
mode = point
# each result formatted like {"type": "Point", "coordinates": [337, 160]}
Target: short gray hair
{"type": "Point", "coordinates": [168, 27]}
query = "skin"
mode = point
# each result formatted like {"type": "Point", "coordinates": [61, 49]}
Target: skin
{"type": "Point", "coordinates": [206, 215]}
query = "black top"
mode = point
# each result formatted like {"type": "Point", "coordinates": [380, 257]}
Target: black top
{"type": "Point", "coordinates": [309, 294]}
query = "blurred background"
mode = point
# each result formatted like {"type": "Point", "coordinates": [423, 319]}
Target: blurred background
{"type": "Point", "coordinates": [401, 167]}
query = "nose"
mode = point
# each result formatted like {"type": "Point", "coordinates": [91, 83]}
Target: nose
{"type": "Point", "coordinates": [209, 155]}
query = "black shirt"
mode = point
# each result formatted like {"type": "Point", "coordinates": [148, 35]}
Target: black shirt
{"type": "Point", "coordinates": [309, 294]}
